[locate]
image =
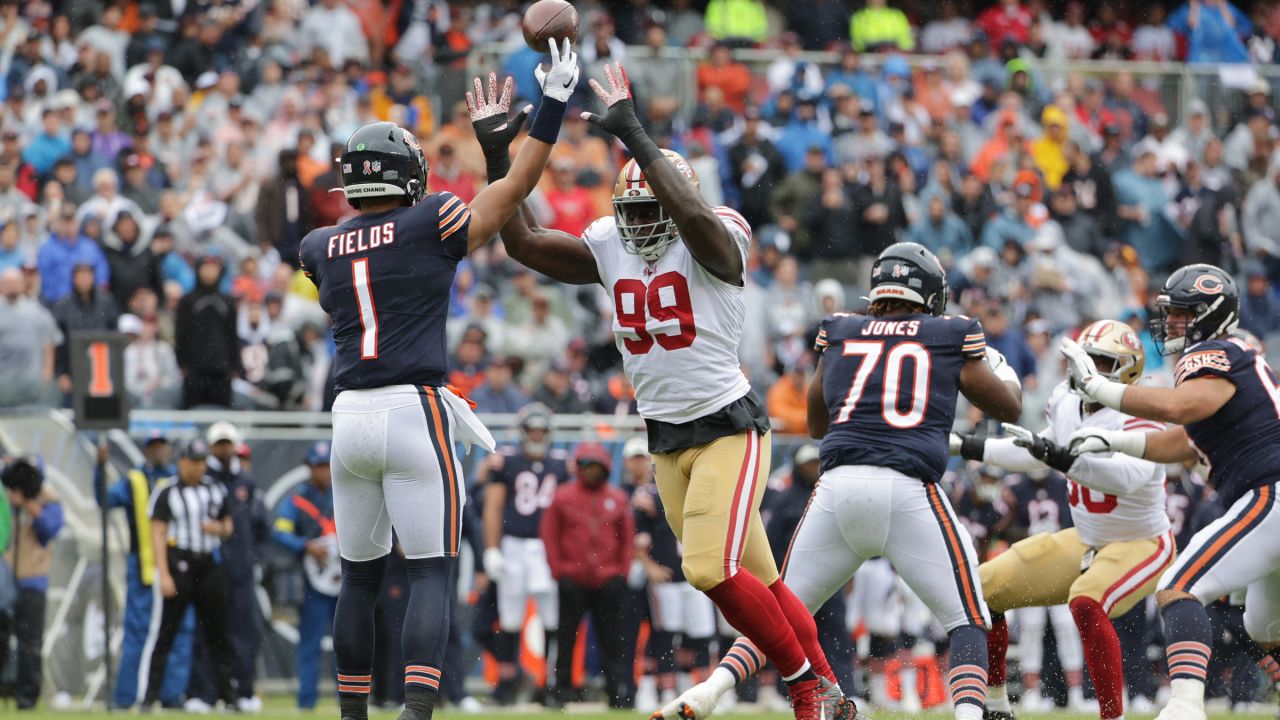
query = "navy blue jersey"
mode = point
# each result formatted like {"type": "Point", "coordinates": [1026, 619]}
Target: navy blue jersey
{"type": "Point", "coordinates": [384, 279]}
{"type": "Point", "coordinates": [530, 486]}
{"type": "Point", "coordinates": [984, 517]}
{"type": "Point", "coordinates": [664, 548]}
{"type": "Point", "coordinates": [1182, 498]}
{"type": "Point", "coordinates": [1042, 506]}
{"type": "Point", "coordinates": [1241, 442]}
{"type": "Point", "coordinates": [891, 386]}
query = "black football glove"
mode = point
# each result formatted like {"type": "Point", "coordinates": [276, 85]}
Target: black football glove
{"type": "Point", "coordinates": [494, 129]}
{"type": "Point", "coordinates": [1042, 448]}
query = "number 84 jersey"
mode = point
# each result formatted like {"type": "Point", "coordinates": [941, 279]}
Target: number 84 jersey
{"type": "Point", "coordinates": [676, 325]}
{"type": "Point", "coordinates": [531, 484]}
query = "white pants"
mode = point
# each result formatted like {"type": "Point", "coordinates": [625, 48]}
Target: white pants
{"type": "Point", "coordinates": [859, 512]}
{"type": "Point", "coordinates": [394, 466]}
{"type": "Point", "coordinates": [677, 607]}
{"type": "Point", "coordinates": [526, 574]}
{"type": "Point", "coordinates": [1030, 622]}
{"type": "Point", "coordinates": [1241, 549]}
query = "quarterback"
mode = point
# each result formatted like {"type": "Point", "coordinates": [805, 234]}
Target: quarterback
{"type": "Point", "coordinates": [673, 266]}
{"type": "Point", "coordinates": [1121, 541]}
{"type": "Point", "coordinates": [1226, 404]}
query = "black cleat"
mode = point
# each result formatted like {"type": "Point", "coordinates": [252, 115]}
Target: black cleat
{"type": "Point", "coordinates": [998, 715]}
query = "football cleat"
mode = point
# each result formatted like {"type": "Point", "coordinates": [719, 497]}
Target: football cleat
{"type": "Point", "coordinates": [998, 715]}
{"type": "Point", "coordinates": [1182, 709]}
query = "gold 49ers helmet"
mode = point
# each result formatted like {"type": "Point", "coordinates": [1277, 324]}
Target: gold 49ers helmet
{"type": "Point", "coordinates": [646, 228]}
{"type": "Point", "coordinates": [1118, 345]}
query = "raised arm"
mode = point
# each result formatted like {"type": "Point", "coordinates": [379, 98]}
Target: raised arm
{"type": "Point", "coordinates": [700, 228]}
{"type": "Point", "coordinates": [495, 204]}
{"type": "Point", "coordinates": [556, 254]}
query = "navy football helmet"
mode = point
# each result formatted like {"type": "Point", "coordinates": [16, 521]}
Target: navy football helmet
{"type": "Point", "coordinates": [1209, 294]}
{"type": "Point", "coordinates": [908, 271]}
{"type": "Point", "coordinates": [383, 159]}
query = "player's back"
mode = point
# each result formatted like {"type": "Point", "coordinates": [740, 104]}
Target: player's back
{"type": "Point", "coordinates": [891, 385]}
{"type": "Point", "coordinates": [531, 484]}
{"type": "Point", "coordinates": [1241, 441]}
{"type": "Point", "coordinates": [384, 279]}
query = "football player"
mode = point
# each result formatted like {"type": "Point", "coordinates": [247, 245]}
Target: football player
{"type": "Point", "coordinates": [674, 266]}
{"type": "Point", "coordinates": [1121, 540]}
{"type": "Point", "coordinates": [384, 278]}
{"type": "Point", "coordinates": [1226, 408]}
{"type": "Point", "coordinates": [883, 400]}
{"type": "Point", "coordinates": [519, 484]}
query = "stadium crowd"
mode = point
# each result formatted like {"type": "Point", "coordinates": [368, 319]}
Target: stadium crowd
{"type": "Point", "coordinates": [160, 162]}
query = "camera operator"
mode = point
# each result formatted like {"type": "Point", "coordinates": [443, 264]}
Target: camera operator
{"type": "Point", "coordinates": [36, 520]}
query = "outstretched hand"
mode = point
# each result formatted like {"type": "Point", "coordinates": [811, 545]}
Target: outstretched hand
{"type": "Point", "coordinates": [559, 82]}
{"type": "Point", "coordinates": [620, 118]}
{"type": "Point", "coordinates": [495, 130]}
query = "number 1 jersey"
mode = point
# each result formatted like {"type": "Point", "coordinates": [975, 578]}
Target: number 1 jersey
{"type": "Point", "coordinates": [384, 279]}
{"type": "Point", "coordinates": [891, 385]}
{"type": "Point", "coordinates": [677, 325]}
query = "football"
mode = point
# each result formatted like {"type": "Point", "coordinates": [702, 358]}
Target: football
{"type": "Point", "coordinates": [549, 19]}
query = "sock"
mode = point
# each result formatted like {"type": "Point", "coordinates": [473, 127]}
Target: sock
{"type": "Point", "coordinates": [1188, 639]}
{"type": "Point", "coordinates": [426, 630]}
{"type": "Point", "coordinates": [998, 699]}
{"type": "Point", "coordinates": [742, 661]}
{"type": "Point", "coordinates": [997, 649]}
{"type": "Point", "coordinates": [968, 674]}
{"type": "Point", "coordinates": [353, 634]}
{"type": "Point", "coordinates": [506, 646]}
{"type": "Point", "coordinates": [1101, 655]}
{"type": "Point", "coordinates": [750, 608]}
{"type": "Point", "coordinates": [806, 630]}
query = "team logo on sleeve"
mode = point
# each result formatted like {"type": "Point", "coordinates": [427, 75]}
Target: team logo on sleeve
{"type": "Point", "coordinates": [1211, 359]}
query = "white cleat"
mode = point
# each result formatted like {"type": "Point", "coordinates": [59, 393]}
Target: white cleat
{"type": "Point", "coordinates": [1181, 708]}
{"type": "Point", "coordinates": [196, 706]}
{"type": "Point", "coordinates": [1140, 705]}
{"type": "Point", "coordinates": [696, 703]}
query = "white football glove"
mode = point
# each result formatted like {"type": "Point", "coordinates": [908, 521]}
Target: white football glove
{"type": "Point", "coordinates": [1001, 367]}
{"type": "Point", "coordinates": [1084, 377]}
{"type": "Point", "coordinates": [558, 82]}
{"type": "Point", "coordinates": [1095, 440]}
{"type": "Point", "coordinates": [493, 563]}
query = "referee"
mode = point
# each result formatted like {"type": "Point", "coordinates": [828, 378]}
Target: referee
{"type": "Point", "coordinates": [189, 521]}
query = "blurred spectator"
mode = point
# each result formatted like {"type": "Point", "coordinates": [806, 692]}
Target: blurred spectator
{"type": "Point", "coordinates": [737, 20]}
{"type": "Point", "coordinates": [877, 201]}
{"type": "Point", "coordinates": [540, 337]}
{"type": "Point", "coordinates": [1008, 340]}
{"type": "Point", "coordinates": [946, 32]}
{"type": "Point", "coordinates": [878, 27]}
{"type": "Point", "coordinates": [1260, 214]}
{"type": "Point", "coordinates": [721, 71]}
{"type": "Point", "coordinates": [1011, 224]}
{"type": "Point", "coordinates": [86, 307]}
{"type": "Point", "coordinates": [756, 168]}
{"type": "Point", "coordinates": [1079, 230]}
{"type": "Point", "coordinates": [1259, 306]}
{"type": "Point", "coordinates": [556, 390]}
{"type": "Point", "coordinates": [1196, 132]}
{"type": "Point", "coordinates": [28, 336]}
{"type": "Point", "coordinates": [1007, 20]}
{"type": "Point", "coordinates": [789, 204]}
{"type": "Point", "coordinates": [866, 140]}
{"type": "Point", "coordinates": [828, 220]}
{"type": "Point", "coordinates": [1154, 40]}
{"type": "Point", "coordinates": [328, 204]}
{"type": "Point", "coordinates": [571, 205]}
{"type": "Point", "coordinates": [48, 146]}
{"type": "Point", "coordinates": [1214, 30]}
{"type": "Point", "coordinates": [283, 215]}
{"type": "Point", "coordinates": [331, 27]}
{"type": "Point", "coordinates": [499, 393]}
{"type": "Point", "coordinates": [1142, 207]}
{"type": "Point", "coordinates": [129, 257]}
{"type": "Point", "coordinates": [65, 248]}
{"type": "Point", "coordinates": [787, 400]}
{"type": "Point", "coordinates": [941, 230]}
{"type": "Point", "coordinates": [588, 532]}
{"type": "Point", "coordinates": [106, 202]}
{"type": "Point", "coordinates": [788, 298]}
{"type": "Point", "coordinates": [36, 519]}
{"type": "Point", "coordinates": [206, 342]}
{"type": "Point", "coordinates": [150, 366]}
{"type": "Point", "coordinates": [791, 71]}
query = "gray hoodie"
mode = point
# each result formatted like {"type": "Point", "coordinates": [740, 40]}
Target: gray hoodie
{"type": "Point", "coordinates": [1260, 215]}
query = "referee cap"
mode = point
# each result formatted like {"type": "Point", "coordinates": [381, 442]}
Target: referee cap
{"type": "Point", "coordinates": [193, 449]}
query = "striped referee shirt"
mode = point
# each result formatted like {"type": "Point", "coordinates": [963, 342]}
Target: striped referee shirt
{"type": "Point", "coordinates": [185, 508]}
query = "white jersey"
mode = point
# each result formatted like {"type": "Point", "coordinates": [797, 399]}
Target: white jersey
{"type": "Point", "coordinates": [1114, 497]}
{"type": "Point", "coordinates": [677, 325]}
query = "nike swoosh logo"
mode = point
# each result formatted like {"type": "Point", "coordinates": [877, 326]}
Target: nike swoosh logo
{"type": "Point", "coordinates": [568, 83]}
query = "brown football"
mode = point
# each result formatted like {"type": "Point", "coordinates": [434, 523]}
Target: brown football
{"type": "Point", "coordinates": [549, 19]}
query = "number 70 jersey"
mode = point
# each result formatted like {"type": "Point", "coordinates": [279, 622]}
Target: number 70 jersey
{"type": "Point", "coordinates": [676, 325]}
{"type": "Point", "coordinates": [891, 385]}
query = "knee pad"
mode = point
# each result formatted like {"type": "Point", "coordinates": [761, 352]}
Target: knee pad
{"type": "Point", "coordinates": [703, 570]}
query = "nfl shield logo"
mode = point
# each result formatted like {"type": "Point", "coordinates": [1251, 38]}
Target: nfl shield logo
{"type": "Point", "coordinates": [376, 165]}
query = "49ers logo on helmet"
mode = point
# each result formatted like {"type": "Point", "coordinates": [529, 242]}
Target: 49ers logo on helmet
{"type": "Point", "coordinates": [1130, 340]}
{"type": "Point", "coordinates": [1208, 284]}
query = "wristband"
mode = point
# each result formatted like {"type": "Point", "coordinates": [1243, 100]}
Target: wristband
{"type": "Point", "coordinates": [498, 166]}
{"type": "Point", "coordinates": [546, 122]}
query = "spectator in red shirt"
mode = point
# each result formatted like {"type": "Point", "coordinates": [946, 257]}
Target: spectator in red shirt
{"type": "Point", "coordinates": [721, 71]}
{"type": "Point", "coordinates": [571, 205]}
{"type": "Point", "coordinates": [449, 174]}
{"type": "Point", "coordinates": [588, 531]}
{"type": "Point", "coordinates": [1007, 21]}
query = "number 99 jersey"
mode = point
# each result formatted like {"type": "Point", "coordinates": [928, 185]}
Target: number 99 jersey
{"type": "Point", "coordinates": [677, 325]}
{"type": "Point", "coordinates": [531, 484]}
{"type": "Point", "coordinates": [891, 385]}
